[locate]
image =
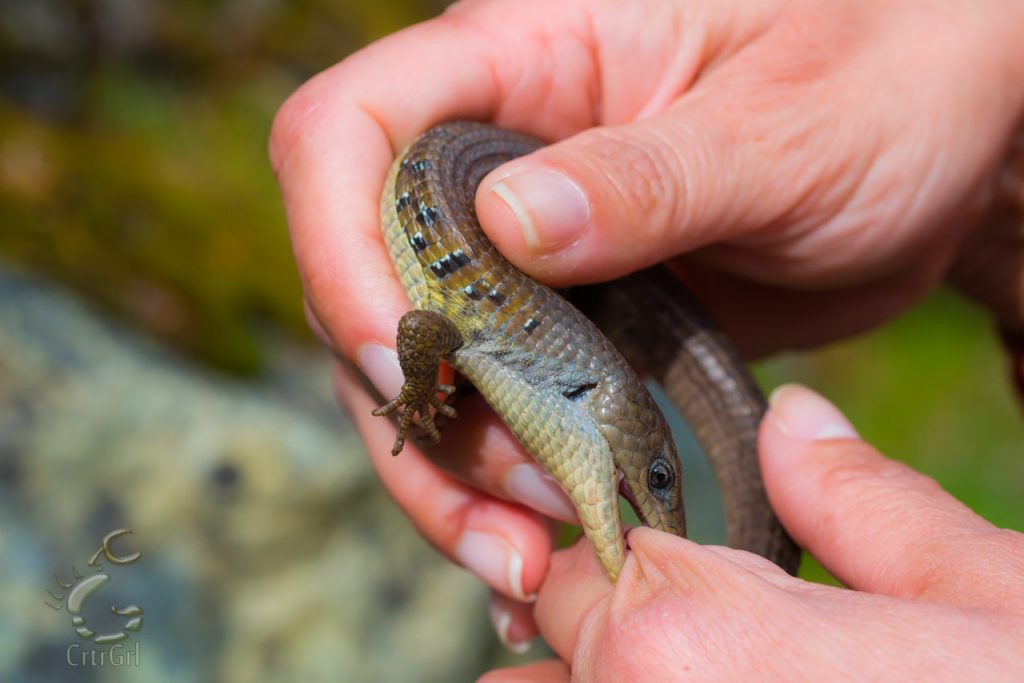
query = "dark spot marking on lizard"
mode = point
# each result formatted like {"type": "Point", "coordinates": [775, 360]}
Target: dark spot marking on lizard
{"type": "Point", "coordinates": [449, 263]}
{"type": "Point", "coordinates": [420, 165]}
{"type": "Point", "coordinates": [403, 201]}
{"type": "Point", "coordinates": [580, 391]}
{"type": "Point", "coordinates": [495, 296]}
{"type": "Point", "coordinates": [473, 293]}
{"type": "Point", "coordinates": [427, 216]}
{"type": "Point", "coordinates": [530, 326]}
{"type": "Point", "coordinates": [418, 242]}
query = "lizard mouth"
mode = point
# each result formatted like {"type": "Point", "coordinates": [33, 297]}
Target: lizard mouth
{"type": "Point", "coordinates": [631, 499]}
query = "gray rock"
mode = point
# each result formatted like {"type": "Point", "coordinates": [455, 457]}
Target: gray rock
{"type": "Point", "coordinates": [269, 552]}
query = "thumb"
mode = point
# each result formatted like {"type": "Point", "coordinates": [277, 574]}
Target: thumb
{"type": "Point", "coordinates": [612, 200]}
{"type": "Point", "coordinates": [878, 525]}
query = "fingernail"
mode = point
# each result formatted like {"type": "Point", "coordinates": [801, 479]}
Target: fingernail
{"type": "Point", "coordinates": [531, 486]}
{"type": "Point", "coordinates": [501, 619]}
{"type": "Point", "coordinates": [493, 560]}
{"type": "Point", "coordinates": [380, 365]}
{"type": "Point", "coordinates": [551, 209]}
{"type": "Point", "coordinates": [805, 415]}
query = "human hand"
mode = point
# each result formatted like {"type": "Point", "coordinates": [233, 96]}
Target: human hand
{"type": "Point", "coordinates": [820, 157]}
{"type": "Point", "coordinates": [938, 593]}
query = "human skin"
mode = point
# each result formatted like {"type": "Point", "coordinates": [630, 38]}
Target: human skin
{"type": "Point", "coordinates": [821, 164]}
{"type": "Point", "coordinates": [938, 592]}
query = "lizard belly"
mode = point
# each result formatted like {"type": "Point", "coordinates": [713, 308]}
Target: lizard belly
{"type": "Point", "coordinates": [560, 435]}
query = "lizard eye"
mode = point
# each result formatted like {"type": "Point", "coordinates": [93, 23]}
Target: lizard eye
{"type": "Point", "coordinates": [660, 475]}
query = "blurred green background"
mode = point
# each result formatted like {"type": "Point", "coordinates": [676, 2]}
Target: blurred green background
{"type": "Point", "coordinates": [155, 370]}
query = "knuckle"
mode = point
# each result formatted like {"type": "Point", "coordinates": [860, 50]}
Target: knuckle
{"type": "Point", "coordinates": [294, 122]}
{"type": "Point", "coordinates": [846, 464]}
{"type": "Point", "coordinates": [659, 171]}
{"type": "Point", "coordinates": [636, 171]}
{"type": "Point", "coordinates": [645, 166]}
{"type": "Point", "coordinates": [856, 477]}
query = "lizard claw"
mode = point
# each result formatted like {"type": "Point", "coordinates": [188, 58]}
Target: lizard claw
{"type": "Point", "coordinates": [413, 405]}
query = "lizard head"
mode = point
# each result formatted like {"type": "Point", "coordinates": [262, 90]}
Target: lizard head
{"type": "Point", "coordinates": [645, 455]}
{"type": "Point", "coordinates": [652, 484]}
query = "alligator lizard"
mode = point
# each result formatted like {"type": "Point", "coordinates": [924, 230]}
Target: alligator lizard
{"type": "Point", "coordinates": [560, 385]}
